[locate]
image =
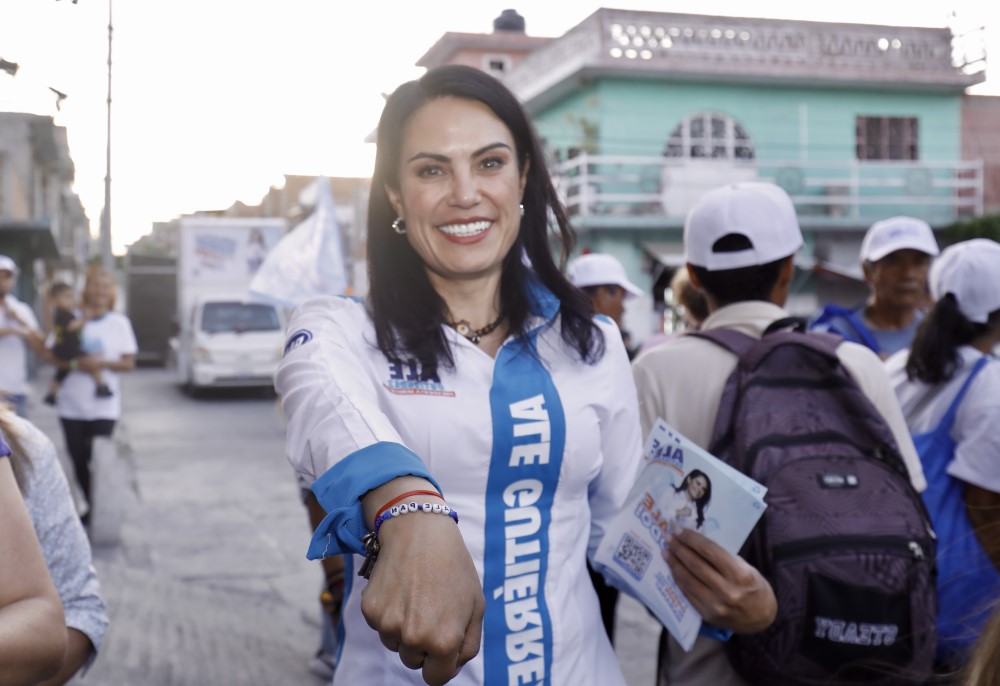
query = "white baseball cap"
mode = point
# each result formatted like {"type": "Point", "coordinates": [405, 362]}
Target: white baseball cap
{"type": "Point", "coordinates": [598, 269]}
{"type": "Point", "coordinates": [970, 271]}
{"type": "Point", "coordinates": [760, 211]}
{"type": "Point", "coordinates": [897, 233]}
{"type": "Point", "coordinates": [7, 264]}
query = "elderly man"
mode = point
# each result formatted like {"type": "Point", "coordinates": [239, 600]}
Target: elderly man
{"type": "Point", "coordinates": [18, 332]}
{"type": "Point", "coordinates": [896, 256]}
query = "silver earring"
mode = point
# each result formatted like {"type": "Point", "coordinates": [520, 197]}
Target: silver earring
{"type": "Point", "coordinates": [522, 209]}
{"type": "Point", "coordinates": [399, 226]}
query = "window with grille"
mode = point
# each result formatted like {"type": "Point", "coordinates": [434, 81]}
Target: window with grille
{"type": "Point", "coordinates": [886, 138]}
{"type": "Point", "coordinates": [710, 135]}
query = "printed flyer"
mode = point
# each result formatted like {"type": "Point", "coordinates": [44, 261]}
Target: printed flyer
{"type": "Point", "coordinates": [680, 486]}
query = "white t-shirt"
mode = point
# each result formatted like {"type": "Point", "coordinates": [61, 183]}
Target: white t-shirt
{"type": "Point", "coordinates": [107, 338]}
{"type": "Point", "coordinates": [13, 348]}
{"type": "Point", "coordinates": [976, 430]}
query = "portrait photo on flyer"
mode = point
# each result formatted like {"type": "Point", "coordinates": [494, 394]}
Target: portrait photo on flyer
{"type": "Point", "coordinates": [680, 486]}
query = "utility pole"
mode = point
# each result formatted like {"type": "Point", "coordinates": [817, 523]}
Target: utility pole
{"type": "Point", "coordinates": [107, 259]}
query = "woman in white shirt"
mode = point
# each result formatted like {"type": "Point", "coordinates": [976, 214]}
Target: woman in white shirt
{"type": "Point", "coordinates": [948, 385]}
{"type": "Point", "coordinates": [686, 505]}
{"type": "Point", "coordinates": [109, 345]}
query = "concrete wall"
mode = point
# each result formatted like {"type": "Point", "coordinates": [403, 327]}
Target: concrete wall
{"type": "Point", "coordinates": [17, 176]}
{"type": "Point", "coordinates": [981, 140]}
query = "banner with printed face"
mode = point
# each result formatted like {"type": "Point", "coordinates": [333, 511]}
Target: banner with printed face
{"type": "Point", "coordinates": [226, 252]}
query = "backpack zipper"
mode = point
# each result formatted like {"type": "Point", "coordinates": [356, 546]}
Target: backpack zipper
{"type": "Point", "coordinates": [880, 452]}
{"type": "Point", "coordinates": [827, 383]}
{"type": "Point", "coordinates": [810, 546]}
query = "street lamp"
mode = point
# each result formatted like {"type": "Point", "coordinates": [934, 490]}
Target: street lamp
{"type": "Point", "coordinates": [106, 258]}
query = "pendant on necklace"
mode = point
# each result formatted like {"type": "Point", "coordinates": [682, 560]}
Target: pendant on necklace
{"type": "Point", "coordinates": [474, 336]}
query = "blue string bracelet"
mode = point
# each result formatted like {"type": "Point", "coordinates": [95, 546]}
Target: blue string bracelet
{"type": "Point", "coordinates": [371, 540]}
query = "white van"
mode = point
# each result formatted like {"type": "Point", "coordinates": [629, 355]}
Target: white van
{"type": "Point", "coordinates": [230, 341]}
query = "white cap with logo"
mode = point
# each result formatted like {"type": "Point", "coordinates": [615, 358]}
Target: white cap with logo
{"type": "Point", "coordinates": [970, 271]}
{"type": "Point", "coordinates": [759, 211]}
{"type": "Point", "coordinates": [598, 269]}
{"type": "Point", "coordinates": [897, 233]}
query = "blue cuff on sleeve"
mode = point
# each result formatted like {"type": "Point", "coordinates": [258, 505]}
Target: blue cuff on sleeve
{"type": "Point", "coordinates": [4, 448]}
{"type": "Point", "coordinates": [339, 491]}
{"type": "Point", "coordinates": [715, 632]}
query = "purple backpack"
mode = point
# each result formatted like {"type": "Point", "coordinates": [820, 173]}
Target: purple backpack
{"type": "Point", "coordinates": [846, 541]}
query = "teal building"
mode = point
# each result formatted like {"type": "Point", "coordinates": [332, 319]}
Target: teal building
{"type": "Point", "coordinates": [642, 112]}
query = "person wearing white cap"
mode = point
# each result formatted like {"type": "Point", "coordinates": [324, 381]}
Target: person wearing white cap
{"type": "Point", "coordinates": [739, 241]}
{"type": "Point", "coordinates": [18, 332]}
{"type": "Point", "coordinates": [948, 384]}
{"type": "Point", "coordinates": [896, 255]}
{"type": "Point", "coordinates": [603, 278]}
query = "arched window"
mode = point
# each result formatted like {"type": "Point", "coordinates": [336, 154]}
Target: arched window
{"type": "Point", "coordinates": [710, 135]}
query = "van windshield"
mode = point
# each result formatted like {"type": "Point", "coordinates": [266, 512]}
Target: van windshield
{"type": "Point", "coordinates": [237, 317]}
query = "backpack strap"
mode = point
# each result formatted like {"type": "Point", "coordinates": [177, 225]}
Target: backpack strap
{"type": "Point", "coordinates": [736, 342]}
{"type": "Point", "coordinates": [949, 415]}
{"type": "Point", "coordinates": [751, 350]}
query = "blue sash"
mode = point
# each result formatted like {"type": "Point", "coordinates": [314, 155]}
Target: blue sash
{"type": "Point", "coordinates": [529, 435]}
{"type": "Point", "coordinates": [967, 582]}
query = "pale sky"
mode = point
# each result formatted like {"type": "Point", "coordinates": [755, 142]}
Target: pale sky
{"type": "Point", "coordinates": [215, 100]}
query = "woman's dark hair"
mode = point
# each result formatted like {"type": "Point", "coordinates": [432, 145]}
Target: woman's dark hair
{"type": "Point", "coordinates": [934, 355]}
{"type": "Point", "coordinates": [728, 286]}
{"type": "Point", "coordinates": [407, 312]}
{"type": "Point", "coordinates": [702, 502]}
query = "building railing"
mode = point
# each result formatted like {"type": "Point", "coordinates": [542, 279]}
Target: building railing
{"type": "Point", "coordinates": [662, 190]}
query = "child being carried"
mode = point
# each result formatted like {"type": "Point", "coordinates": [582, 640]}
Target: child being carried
{"type": "Point", "coordinates": [66, 327]}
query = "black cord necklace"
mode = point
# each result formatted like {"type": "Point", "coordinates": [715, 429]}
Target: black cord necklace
{"type": "Point", "coordinates": [465, 329]}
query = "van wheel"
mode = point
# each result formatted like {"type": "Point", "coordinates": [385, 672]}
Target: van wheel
{"type": "Point", "coordinates": [191, 391]}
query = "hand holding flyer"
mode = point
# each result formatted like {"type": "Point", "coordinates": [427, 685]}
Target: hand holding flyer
{"type": "Point", "coordinates": [680, 486]}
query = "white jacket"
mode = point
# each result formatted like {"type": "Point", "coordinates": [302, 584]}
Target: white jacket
{"type": "Point", "coordinates": [535, 453]}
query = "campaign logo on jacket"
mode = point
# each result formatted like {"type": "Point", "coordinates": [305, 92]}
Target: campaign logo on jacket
{"type": "Point", "coordinates": [297, 340]}
{"type": "Point", "coordinates": [408, 377]}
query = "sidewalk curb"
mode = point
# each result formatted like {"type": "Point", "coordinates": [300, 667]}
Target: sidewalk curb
{"type": "Point", "coordinates": [113, 470]}
{"type": "Point", "coordinates": [115, 487]}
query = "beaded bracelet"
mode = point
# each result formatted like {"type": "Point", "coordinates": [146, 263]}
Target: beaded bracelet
{"type": "Point", "coordinates": [404, 496]}
{"type": "Point", "coordinates": [371, 539]}
{"type": "Point", "coordinates": [405, 508]}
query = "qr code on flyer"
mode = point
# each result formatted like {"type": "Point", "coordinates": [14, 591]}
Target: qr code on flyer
{"type": "Point", "coordinates": [633, 556]}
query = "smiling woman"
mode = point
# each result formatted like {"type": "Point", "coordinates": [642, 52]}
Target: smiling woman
{"type": "Point", "coordinates": [475, 373]}
{"type": "Point", "coordinates": [459, 204]}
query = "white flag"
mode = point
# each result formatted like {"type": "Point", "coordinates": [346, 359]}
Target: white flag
{"type": "Point", "coordinates": [307, 261]}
